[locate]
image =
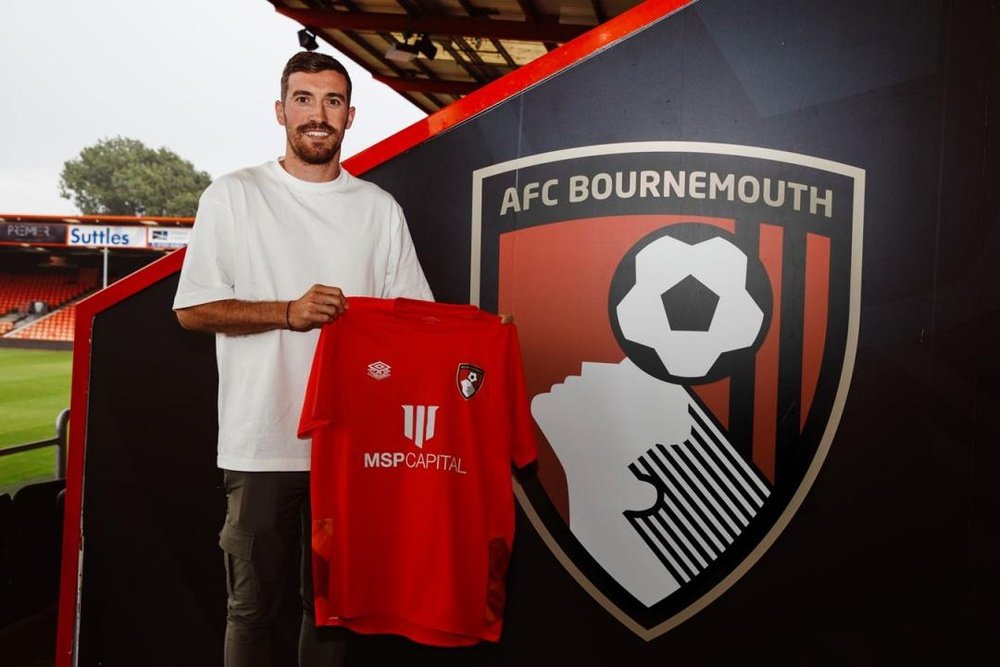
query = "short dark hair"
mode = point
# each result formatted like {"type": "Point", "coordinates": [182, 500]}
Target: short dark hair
{"type": "Point", "coordinates": [311, 61]}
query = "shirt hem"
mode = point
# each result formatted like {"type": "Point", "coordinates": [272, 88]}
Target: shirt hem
{"type": "Point", "coordinates": [262, 465]}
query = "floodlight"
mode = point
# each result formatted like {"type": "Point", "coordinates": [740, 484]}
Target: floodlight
{"type": "Point", "coordinates": [401, 52]}
{"type": "Point", "coordinates": [307, 40]}
{"type": "Point", "coordinates": [426, 47]}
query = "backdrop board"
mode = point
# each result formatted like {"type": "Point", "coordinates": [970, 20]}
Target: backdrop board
{"type": "Point", "coordinates": [749, 250]}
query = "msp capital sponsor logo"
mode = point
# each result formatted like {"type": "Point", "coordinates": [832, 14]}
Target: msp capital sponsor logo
{"type": "Point", "coordinates": [419, 425]}
{"type": "Point", "coordinates": [689, 323]}
{"type": "Point", "coordinates": [415, 461]}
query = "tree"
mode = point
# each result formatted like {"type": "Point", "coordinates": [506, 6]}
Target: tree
{"type": "Point", "coordinates": [122, 176]}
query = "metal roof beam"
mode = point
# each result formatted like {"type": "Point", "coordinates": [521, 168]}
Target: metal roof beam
{"type": "Point", "coordinates": [472, 10]}
{"type": "Point", "coordinates": [599, 12]}
{"type": "Point", "coordinates": [533, 16]}
{"type": "Point", "coordinates": [439, 86]}
{"type": "Point", "coordinates": [454, 26]}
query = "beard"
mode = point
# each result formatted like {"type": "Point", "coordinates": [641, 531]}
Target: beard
{"type": "Point", "coordinates": [314, 151]}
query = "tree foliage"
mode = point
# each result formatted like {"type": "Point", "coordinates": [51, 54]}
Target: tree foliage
{"type": "Point", "coordinates": [122, 176]}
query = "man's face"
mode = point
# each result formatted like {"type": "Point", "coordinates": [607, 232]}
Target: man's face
{"type": "Point", "coordinates": [315, 115]}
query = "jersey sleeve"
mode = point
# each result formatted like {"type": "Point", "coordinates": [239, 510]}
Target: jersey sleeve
{"type": "Point", "coordinates": [524, 447]}
{"type": "Point", "coordinates": [207, 272]}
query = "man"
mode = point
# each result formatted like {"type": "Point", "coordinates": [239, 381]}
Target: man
{"type": "Point", "coordinates": [274, 252]}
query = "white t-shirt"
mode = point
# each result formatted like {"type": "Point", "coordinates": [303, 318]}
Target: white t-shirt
{"type": "Point", "coordinates": [263, 235]}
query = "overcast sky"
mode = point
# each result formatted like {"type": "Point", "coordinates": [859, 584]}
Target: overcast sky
{"type": "Point", "coordinates": [196, 76]}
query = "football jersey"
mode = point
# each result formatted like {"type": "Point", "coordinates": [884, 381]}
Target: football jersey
{"type": "Point", "coordinates": [416, 410]}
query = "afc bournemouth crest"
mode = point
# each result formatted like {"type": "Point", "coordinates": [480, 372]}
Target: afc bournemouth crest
{"type": "Point", "coordinates": [469, 379]}
{"type": "Point", "coordinates": [688, 316]}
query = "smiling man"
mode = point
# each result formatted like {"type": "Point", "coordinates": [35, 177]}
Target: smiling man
{"type": "Point", "coordinates": [307, 110]}
{"type": "Point", "coordinates": [275, 251]}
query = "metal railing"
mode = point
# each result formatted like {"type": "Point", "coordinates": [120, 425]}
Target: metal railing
{"type": "Point", "coordinates": [62, 433]}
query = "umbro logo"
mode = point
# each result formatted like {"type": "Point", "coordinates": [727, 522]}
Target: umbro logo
{"type": "Point", "coordinates": [379, 370]}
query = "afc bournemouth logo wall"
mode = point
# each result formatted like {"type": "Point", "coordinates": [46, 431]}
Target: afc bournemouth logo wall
{"type": "Point", "coordinates": [688, 316]}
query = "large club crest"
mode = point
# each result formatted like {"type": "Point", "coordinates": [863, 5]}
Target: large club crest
{"type": "Point", "coordinates": [688, 316]}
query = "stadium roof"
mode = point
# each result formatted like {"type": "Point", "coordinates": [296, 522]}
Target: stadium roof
{"type": "Point", "coordinates": [126, 220]}
{"type": "Point", "coordinates": [433, 52]}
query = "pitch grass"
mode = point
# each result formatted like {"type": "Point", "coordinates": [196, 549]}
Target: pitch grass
{"type": "Point", "coordinates": [34, 389]}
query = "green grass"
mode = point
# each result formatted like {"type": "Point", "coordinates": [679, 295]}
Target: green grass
{"type": "Point", "coordinates": [34, 389]}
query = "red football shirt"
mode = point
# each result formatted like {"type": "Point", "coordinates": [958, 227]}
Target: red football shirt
{"type": "Point", "coordinates": [416, 410]}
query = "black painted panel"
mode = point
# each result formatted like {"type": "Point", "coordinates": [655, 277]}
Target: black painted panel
{"type": "Point", "coordinates": [891, 557]}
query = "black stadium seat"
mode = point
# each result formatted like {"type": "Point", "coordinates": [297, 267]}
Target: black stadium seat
{"type": "Point", "coordinates": [30, 564]}
{"type": "Point", "coordinates": [6, 516]}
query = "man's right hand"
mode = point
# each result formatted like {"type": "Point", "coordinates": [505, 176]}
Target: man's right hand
{"type": "Point", "coordinates": [318, 306]}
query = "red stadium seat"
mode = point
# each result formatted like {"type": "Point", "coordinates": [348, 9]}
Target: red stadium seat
{"type": "Point", "coordinates": [19, 291]}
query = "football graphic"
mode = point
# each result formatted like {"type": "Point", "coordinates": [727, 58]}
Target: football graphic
{"type": "Point", "coordinates": [687, 304]}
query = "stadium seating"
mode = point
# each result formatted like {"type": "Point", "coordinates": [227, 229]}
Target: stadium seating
{"type": "Point", "coordinates": [54, 326]}
{"type": "Point", "coordinates": [29, 567]}
{"type": "Point", "coordinates": [6, 516]}
{"type": "Point", "coordinates": [25, 298]}
{"type": "Point", "coordinates": [19, 291]}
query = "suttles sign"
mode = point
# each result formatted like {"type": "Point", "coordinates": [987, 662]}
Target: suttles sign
{"type": "Point", "coordinates": [688, 315]}
{"type": "Point", "coordinates": [104, 236]}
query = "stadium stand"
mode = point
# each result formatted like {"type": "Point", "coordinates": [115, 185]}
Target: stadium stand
{"type": "Point", "coordinates": [18, 292]}
{"type": "Point", "coordinates": [32, 306]}
{"type": "Point", "coordinates": [54, 326]}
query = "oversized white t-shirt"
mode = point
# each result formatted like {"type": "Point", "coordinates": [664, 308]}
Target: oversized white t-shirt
{"type": "Point", "coordinates": [263, 235]}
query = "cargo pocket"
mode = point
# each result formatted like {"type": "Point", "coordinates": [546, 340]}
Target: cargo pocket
{"type": "Point", "coordinates": [241, 580]}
